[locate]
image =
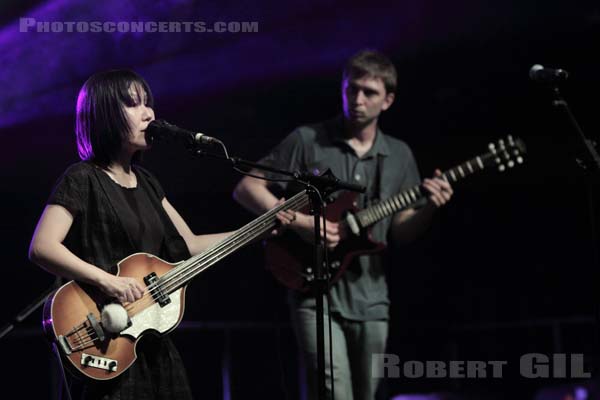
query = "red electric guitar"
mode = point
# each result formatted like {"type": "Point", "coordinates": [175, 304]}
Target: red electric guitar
{"type": "Point", "coordinates": [290, 258]}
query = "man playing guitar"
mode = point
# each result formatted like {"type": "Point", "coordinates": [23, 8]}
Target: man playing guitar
{"type": "Point", "coordinates": [356, 150]}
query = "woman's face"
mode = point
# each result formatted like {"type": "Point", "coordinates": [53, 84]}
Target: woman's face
{"type": "Point", "coordinates": [139, 116]}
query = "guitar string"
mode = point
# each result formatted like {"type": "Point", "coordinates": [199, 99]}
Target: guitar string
{"type": "Point", "coordinates": [166, 282]}
{"type": "Point", "coordinates": [76, 328]}
{"type": "Point", "coordinates": [249, 228]}
{"type": "Point", "coordinates": [194, 267]}
{"type": "Point", "coordinates": [210, 258]}
{"type": "Point", "coordinates": [83, 340]}
{"type": "Point", "coordinates": [390, 205]}
{"type": "Point", "coordinates": [267, 217]}
{"type": "Point", "coordinates": [199, 265]}
{"type": "Point", "coordinates": [383, 208]}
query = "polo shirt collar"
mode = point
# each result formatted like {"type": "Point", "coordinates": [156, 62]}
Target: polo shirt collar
{"type": "Point", "coordinates": [380, 146]}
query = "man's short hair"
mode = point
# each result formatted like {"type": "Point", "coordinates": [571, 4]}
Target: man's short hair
{"type": "Point", "coordinates": [373, 64]}
{"type": "Point", "coordinates": [101, 124]}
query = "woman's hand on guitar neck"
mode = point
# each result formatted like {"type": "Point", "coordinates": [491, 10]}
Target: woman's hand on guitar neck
{"type": "Point", "coordinates": [304, 226]}
{"type": "Point", "coordinates": [122, 288]}
{"type": "Point", "coordinates": [285, 219]}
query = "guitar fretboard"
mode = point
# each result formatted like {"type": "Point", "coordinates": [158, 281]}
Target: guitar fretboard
{"type": "Point", "coordinates": [406, 199]}
{"type": "Point", "coordinates": [190, 268]}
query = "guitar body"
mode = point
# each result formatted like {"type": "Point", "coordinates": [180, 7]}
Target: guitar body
{"type": "Point", "coordinates": [290, 259]}
{"type": "Point", "coordinates": [72, 304]}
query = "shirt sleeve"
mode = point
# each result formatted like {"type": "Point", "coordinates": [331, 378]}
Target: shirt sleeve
{"type": "Point", "coordinates": [71, 191]}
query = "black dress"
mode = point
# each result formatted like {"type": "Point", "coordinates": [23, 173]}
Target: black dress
{"type": "Point", "coordinates": [111, 222]}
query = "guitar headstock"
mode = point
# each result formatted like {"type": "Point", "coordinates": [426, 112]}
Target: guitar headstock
{"type": "Point", "coordinates": [505, 153]}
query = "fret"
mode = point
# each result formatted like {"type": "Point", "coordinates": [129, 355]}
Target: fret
{"type": "Point", "coordinates": [380, 211]}
{"type": "Point", "coordinates": [405, 198]}
{"type": "Point", "coordinates": [388, 207]}
{"type": "Point", "coordinates": [372, 217]}
{"type": "Point", "coordinates": [401, 200]}
{"type": "Point", "coordinates": [391, 205]}
{"type": "Point", "coordinates": [374, 214]}
{"type": "Point", "coordinates": [469, 167]}
{"type": "Point", "coordinates": [397, 203]}
{"type": "Point", "coordinates": [412, 195]}
{"type": "Point", "coordinates": [479, 162]}
{"type": "Point", "coordinates": [408, 197]}
{"type": "Point", "coordinates": [453, 175]}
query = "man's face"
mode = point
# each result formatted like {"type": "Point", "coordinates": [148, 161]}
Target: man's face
{"type": "Point", "coordinates": [364, 99]}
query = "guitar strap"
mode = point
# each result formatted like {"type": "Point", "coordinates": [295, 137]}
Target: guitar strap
{"type": "Point", "coordinates": [377, 195]}
{"type": "Point", "coordinates": [373, 194]}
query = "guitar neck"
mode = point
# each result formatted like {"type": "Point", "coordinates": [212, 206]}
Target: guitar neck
{"type": "Point", "coordinates": [408, 198]}
{"type": "Point", "coordinates": [190, 268]}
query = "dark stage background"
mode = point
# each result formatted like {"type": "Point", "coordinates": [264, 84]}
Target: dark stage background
{"type": "Point", "coordinates": [510, 266]}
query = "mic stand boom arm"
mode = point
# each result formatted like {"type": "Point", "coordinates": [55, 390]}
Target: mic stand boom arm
{"type": "Point", "coordinates": [592, 158]}
{"type": "Point", "coordinates": [318, 188]}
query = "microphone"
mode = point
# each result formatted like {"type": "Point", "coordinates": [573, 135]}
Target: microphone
{"type": "Point", "coordinates": [159, 129]}
{"type": "Point", "coordinates": [539, 73]}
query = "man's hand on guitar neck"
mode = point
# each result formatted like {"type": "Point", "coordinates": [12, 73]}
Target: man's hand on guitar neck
{"type": "Point", "coordinates": [439, 189]}
{"type": "Point", "coordinates": [304, 226]}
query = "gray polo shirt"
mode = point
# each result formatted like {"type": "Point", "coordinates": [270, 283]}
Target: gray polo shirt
{"type": "Point", "coordinates": [361, 294]}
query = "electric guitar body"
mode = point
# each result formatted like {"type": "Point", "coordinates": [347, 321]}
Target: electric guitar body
{"type": "Point", "coordinates": [290, 258]}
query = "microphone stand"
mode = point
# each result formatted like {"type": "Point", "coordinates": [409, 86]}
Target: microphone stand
{"type": "Point", "coordinates": [27, 311]}
{"type": "Point", "coordinates": [590, 163]}
{"type": "Point", "coordinates": [318, 187]}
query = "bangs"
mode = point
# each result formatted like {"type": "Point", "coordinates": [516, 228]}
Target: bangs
{"type": "Point", "coordinates": [101, 123]}
{"type": "Point", "coordinates": [132, 92]}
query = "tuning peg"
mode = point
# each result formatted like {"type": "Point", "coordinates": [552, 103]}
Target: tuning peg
{"type": "Point", "coordinates": [517, 156]}
{"type": "Point", "coordinates": [501, 168]}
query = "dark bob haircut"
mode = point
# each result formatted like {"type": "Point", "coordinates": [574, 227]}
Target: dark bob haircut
{"type": "Point", "coordinates": [373, 64]}
{"type": "Point", "coordinates": [101, 125]}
